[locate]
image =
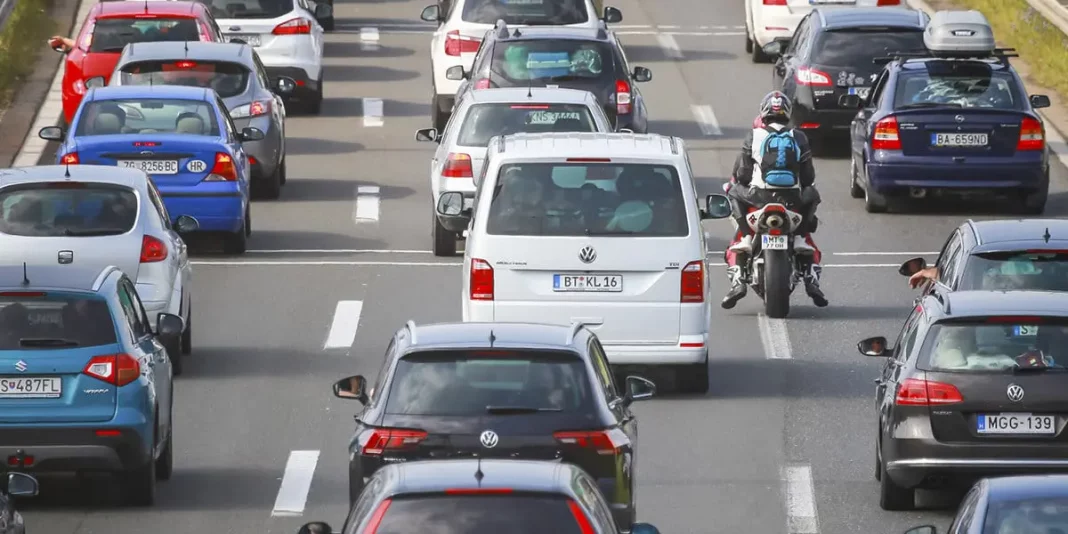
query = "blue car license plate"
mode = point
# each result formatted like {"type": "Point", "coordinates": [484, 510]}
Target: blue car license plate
{"type": "Point", "coordinates": [862, 92]}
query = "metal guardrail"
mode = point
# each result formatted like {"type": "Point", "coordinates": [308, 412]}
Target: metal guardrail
{"type": "Point", "coordinates": [6, 7]}
{"type": "Point", "coordinates": [1055, 11]}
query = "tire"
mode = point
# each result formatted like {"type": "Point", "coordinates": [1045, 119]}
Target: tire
{"type": "Point", "coordinates": [438, 117]}
{"type": "Point", "coordinates": [355, 487]}
{"type": "Point", "coordinates": [757, 54]}
{"type": "Point", "coordinates": [444, 240]}
{"type": "Point", "coordinates": [270, 187]}
{"type": "Point", "coordinates": [237, 242]}
{"type": "Point", "coordinates": [139, 484]}
{"type": "Point", "coordinates": [328, 24]}
{"type": "Point", "coordinates": [748, 44]}
{"type": "Point", "coordinates": [282, 174]}
{"type": "Point", "coordinates": [174, 352]}
{"type": "Point", "coordinates": [777, 273]}
{"type": "Point", "coordinates": [314, 104]}
{"type": "Point", "coordinates": [1035, 204]}
{"type": "Point", "coordinates": [165, 462]}
{"type": "Point", "coordinates": [874, 202]}
{"type": "Point", "coordinates": [893, 497]}
{"type": "Point", "coordinates": [187, 336]}
{"type": "Point", "coordinates": [855, 190]}
{"type": "Point", "coordinates": [693, 378]}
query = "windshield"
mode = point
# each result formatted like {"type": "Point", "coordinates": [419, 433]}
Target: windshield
{"type": "Point", "coordinates": [145, 116]}
{"type": "Point", "coordinates": [533, 12]}
{"type": "Point", "coordinates": [577, 199]}
{"type": "Point", "coordinates": [857, 48]}
{"type": "Point", "coordinates": [227, 79]}
{"type": "Point", "coordinates": [971, 85]}
{"type": "Point", "coordinates": [469, 382]}
{"type": "Point", "coordinates": [54, 321]}
{"type": "Point", "coordinates": [518, 513]}
{"type": "Point", "coordinates": [552, 60]}
{"type": "Point", "coordinates": [1046, 515]}
{"type": "Point", "coordinates": [88, 210]}
{"type": "Point", "coordinates": [484, 121]}
{"type": "Point", "coordinates": [248, 9]}
{"type": "Point", "coordinates": [997, 344]}
{"type": "Point", "coordinates": [1017, 270]}
{"type": "Point", "coordinates": [113, 34]}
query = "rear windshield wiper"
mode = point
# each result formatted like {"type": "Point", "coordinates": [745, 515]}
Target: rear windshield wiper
{"type": "Point", "coordinates": [514, 410]}
{"type": "Point", "coordinates": [608, 233]}
{"type": "Point", "coordinates": [565, 78]}
{"type": "Point", "coordinates": [916, 105]}
{"type": "Point", "coordinates": [71, 232]}
{"type": "Point", "coordinates": [47, 342]}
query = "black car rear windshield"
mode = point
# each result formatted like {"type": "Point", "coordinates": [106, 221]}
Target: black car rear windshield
{"type": "Point", "coordinates": [227, 79]}
{"type": "Point", "coordinates": [147, 116]}
{"type": "Point", "coordinates": [553, 60]}
{"type": "Point", "coordinates": [533, 12]}
{"type": "Point", "coordinates": [487, 120]}
{"type": "Point", "coordinates": [1042, 270]}
{"type": "Point", "coordinates": [30, 320]}
{"type": "Point", "coordinates": [453, 514]}
{"type": "Point", "coordinates": [67, 210]}
{"type": "Point", "coordinates": [113, 34]}
{"type": "Point", "coordinates": [248, 9]}
{"type": "Point", "coordinates": [966, 85]}
{"type": "Point", "coordinates": [1048, 515]}
{"type": "Point", "coordinates": [997, 344]}
{"type": "Point", "coordinates": [857, 47]}
{"type": "Point", "coordinates": [468, 382]}
{"type": "Point", "coordinates": [588, 199]}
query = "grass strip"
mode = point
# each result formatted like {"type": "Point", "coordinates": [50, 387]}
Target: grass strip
{"type": "Point", "coordinates": [21, 40]}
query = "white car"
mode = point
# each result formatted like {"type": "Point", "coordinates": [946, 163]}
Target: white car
{"type": "Point", "coordinates": [770, 20]}
{"type": "Point", "coordinates": [463, 23]}
{"type": "Point", "coordinates": [96, 215]}
{"type": "Point", "coordinates": [481, 115]}
{"type": "Point", "coordinates": [598, 228]}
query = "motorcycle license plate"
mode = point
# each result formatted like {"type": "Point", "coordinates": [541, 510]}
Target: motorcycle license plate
{"type": "Point", "coordinates": [773, 242]}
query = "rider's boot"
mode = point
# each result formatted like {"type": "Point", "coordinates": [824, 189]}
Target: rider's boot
{"type": "Point", "coordinates": [806, 249]}
{"type": "Point", "coordinates": [738, 288]}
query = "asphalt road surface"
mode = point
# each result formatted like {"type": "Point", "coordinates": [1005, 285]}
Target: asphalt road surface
{"type": "Point", "coordinates": [783, 442]}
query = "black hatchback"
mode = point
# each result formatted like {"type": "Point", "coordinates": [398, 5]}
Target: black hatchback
{"type": "Point", "coordinates": [498, 390]}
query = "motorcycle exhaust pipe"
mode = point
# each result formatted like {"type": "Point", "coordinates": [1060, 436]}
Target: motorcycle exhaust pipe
{"type": "Point", "coordinates": [917, 192]}
{"type": "Point", "coordinates": [775, 221]}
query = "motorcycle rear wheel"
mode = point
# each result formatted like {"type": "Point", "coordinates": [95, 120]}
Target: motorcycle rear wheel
{"type": "Point", "coordinates": [777, 273]}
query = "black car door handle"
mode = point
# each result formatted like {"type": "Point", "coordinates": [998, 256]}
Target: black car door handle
{"type": "Point", "coordinates": [879, 381]}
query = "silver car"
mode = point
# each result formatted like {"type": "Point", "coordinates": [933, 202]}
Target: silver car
{"type": "Point", "coordinates": [95, 215]}
{"type": "Point", "coordinates": [483, 114]}
{"type": "Point", "coordinates": [235, 72]}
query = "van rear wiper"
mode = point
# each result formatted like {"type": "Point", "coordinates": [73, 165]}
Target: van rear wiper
{"type": "Point", "coordinates": [47, 342]}
{"type": "Point", "coordinates": [74, 232]}
{"type": "Point", "coordinates": [515, 410]}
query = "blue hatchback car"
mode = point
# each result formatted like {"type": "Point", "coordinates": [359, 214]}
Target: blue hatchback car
{"type": "Point", "coordinates": [182, 137]}
{"type": "Point", "coordinates": [85, 380]}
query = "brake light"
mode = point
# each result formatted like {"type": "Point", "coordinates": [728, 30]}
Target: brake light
{"type": "Point", "coordinates": [297, 26]}
{"type": "Point", "coordinates": [589, 160]}
{"type": "Point", "coordinates": [145, 143]}
{"type": "Point", "coordinates": [580, 517]}
{"type": "Point", "coordinates": [526, 106]}
{"type": "Point", "coordinates": [478, 491]}
{"type": "Point", "coordinates": [22, 294]}
{"type": "Point", "coordinates": [886, 135]}
{"type": "Point", "coordinates": [605, 442]}
{"type": "Point", "coordinates": [1032, 135]}
{"type": "Point", "coordinates": [152, 250]}
{"type": "Point", "coordinates": [774, 231]}
{"type": "Point", "coordinates": [772, 208]}
{"type": "Point", "coordinates": [376, 519]}
{"type": "Point", "coordinates": [812, 77]}
{"type": "Point", "coordinates": [809, 125]}
{"type": "Point", "coordinates": [919, 392]}
{"type": "Point", "coordinates": [458, 166]}
{"type": "Point", "coordinates": [693, 282]}
{"type": "Point", "coordinates": [223, 170]}
{"type": "Point", "coordinates": [70, 158]}
{"type": "Point", "coordinates": [115, 369]}
{"type": "Point", "coordinates": [185, 64]}
{"type": "Point", "coordinates": [622, 97]}
{"type": "Point", "coordinates": [483, 83]}
{"type": "Point", "coordinates": [375, 441]}
{"type": "Point", "coordinates": [775, 2]}
{"type": "Point", "coordinates": [456, 44]}
{"type": "Point", "coordinates": [481, 280]}
{"type": "Point", "coordinates": [888, 3]}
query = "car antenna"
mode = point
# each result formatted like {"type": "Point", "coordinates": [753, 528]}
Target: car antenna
{"type": "Point", "coordinates": [185, 44]}
{"type": "Point", "coordinates": [66, 171]}
{"type": "Point", "coordinates": [479, 475]}
{"type": "Point", "coordinates": [530, 83]}
{"type": "Point", "coordinates": [492, 338]}
{"type": "Point", "coordinates": [146, 7]}
{"type": "Point", "coordinates": [25, 277]}
{"type": "Point", "coordinates": [1046, 236]}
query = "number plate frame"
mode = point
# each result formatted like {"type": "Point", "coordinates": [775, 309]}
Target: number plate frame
{"type": "Point", "coordinates": [54, 391]}
{"type": "Point", "coordinates": [606, 283]}
{"type": "Point", "coordinates": [774, 242]}
{"type": "Point", "coordinates": [947, 135]}
{"type": "Point", "coordinates": [862, 92]}
{"type": "Point", "coordinates": [253, 40]}
{"type": "Point", "coordinates": [139, 164]}
{"type": "Point", "coordinates": [982, 427]}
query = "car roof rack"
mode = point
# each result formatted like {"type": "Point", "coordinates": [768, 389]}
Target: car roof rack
{"type": "Point", "coordinates": [1000, 55]}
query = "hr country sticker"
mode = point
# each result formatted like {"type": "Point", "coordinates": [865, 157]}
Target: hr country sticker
{"type": "Point", "coordinates": [196, 166]}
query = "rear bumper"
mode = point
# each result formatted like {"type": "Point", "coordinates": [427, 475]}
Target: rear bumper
{"type": "Point", "coordinates": [76, 448]}
{"type": "Point", "coordinates": [892, 173]}
{"type": "Point", "coordinates": [774, 22]}
{"type": "Point", "coordinates": [912, 462]}
{"type": "Point", "coordinates": [820, 121]}
{"type": "Point", "coordinates": [308, 83]}
{"type": "Point", "coordinates": [216, 212]}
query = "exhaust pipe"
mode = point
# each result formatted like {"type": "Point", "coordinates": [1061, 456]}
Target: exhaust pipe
{"type": "Point", "coordinates": [917, 192]}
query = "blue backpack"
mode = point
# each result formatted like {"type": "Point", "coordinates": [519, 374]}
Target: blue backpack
{"type": "Point", "coordinates": [779, 159]}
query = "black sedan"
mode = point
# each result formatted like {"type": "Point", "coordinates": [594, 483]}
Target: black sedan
{"type": "Point", "coordinates": [1020, 504]}
{"type": "Point", "coordinates": [18, 485]}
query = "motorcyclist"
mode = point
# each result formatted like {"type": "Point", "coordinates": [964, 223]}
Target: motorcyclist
{"type": "Point", "coordinates": [751, 189]}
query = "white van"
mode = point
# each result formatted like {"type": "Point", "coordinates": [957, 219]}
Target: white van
{"type": "Point", "coordinates": [598, 228]}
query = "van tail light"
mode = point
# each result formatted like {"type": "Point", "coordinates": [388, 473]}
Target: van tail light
{"type": "Point", "coordinates": [115, 369]}
{"type": "Point", "coordinates": [375, 441]}
{"type": "Point", "coordinates": [458, 166]}
{"type": "Point", "coordinates": [483, 83]}
{"type": "Point", "coordinates": [580, 517]}
{"type": "Point", "coordinates": [775, 2]}
{"type": "Point", "coordinates": [223, 170]}
{"type": "Point", "coordinates": [813, 77]}
{"type": "Point", "coordinates": [888, 3]}
{"type": "Point", "coordinates": [376, 518]}
{"type": "Point", "coordinates": [481, 280]}
{"type": "Point", "coordinates": [1032, 135]}
{"type": "Point", "coordinates": [886, 135]}
{"type": "Point", "coordinates": [693, 282]}
{"type": "Point", "coordinates": [456, 44]}
{"type": "Point", "coordinates": [606, 442]}
{"type": "Point", "coordinates": [152, 250]}
{"type": "Point", "coordinates": [622, 97]}
{"type": "Point", "coordinates": [70, 158]}
{"type": "Point", "coordinates": [297, 26]}
{"type": "Point", "coordinates": [920, 392]}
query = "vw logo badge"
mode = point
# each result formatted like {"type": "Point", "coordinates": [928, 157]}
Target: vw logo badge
{"type": "Point", "coordinates": [587, 254]}
{"type": "Point", "coordinates": [196, 166]}
{"type": "Point", "coordinates": [959, 118]}
{"type": "Point", "coordinates": [1015, 393]}
{"type": "Point", "coordinates": [66, 257]}
{"type": "Point", "coordinates": [20, 366]}
{"type": "Point", "coordinates": [146, 152]}
{"type": "Point", "coordinates": [488, 439]}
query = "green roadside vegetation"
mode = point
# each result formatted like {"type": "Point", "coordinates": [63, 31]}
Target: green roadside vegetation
{"type": "Point", "coordinates": [22, 39]}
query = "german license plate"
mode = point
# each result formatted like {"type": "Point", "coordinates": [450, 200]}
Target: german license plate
{"type": "Point", "coordinates": [959, 139]}
{"type": "Point", "coordinates": [31, 387]}
{"type": "Point", "coordinates": [252, 40]}
{"type": "Point", "coordinates": [1025, 330]}
{"type": "Point", "coordinates": [588, 283]}
{"type": "Point", "coordinates": [1016, 423]}
{"type": "Point", "coordinates": [773, 242]}
{"type": "Point", "coordinates": [151, 166]}
{"type": "Point", "coordinates": [862, 92]}
{"type": "Point", "coordinates": [825, 2]}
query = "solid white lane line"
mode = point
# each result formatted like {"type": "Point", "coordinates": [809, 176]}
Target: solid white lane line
{"type": "Point", "coordinates": [293, 493]}
{"type": "Point", "coordinates": [372, 113]}
{"type": "Point", "coordinates": [288, 263]}
{"type": "Point", "coordinates": [800, 500]}
{"type": "Point", "coordinates": [706, 120]}
{"type": "Point", "coordinates": [884, 253]}
{"type": "Point", "coordinates": [367, 203]}
{"type": "Point", "coordinates": [346, 321]}
{"type": "Point", "coordinates": [670, 46]}
{"type": "Point", "coordinates": [774, 337]}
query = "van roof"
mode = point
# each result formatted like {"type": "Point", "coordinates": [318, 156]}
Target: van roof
{"type": "Point", "coordinates": [591, 144]}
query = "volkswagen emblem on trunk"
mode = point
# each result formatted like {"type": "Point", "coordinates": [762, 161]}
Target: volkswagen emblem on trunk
{"type": "Point", "coordinates": [146, 152]}
{"type": "Point", "coordinates": [587, 254]}
{"type": "Point", "coordinates": [488, 439]}
{"type": "Point", "coordinates": [20, 366]}
{"type": "Point", "coordinates": [1015, 393]}
{"type": "Point", "coordinates": [959, 118]}
{"type": "Point", "coordinates": [66, 257]}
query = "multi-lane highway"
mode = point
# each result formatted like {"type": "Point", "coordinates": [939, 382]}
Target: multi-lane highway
{"type": "Point", "coordinates": [783, 442]}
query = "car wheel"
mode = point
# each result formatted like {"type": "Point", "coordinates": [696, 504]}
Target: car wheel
{"type": "Point", "coordinates": [165, 463]}
{"type": "Point", "coordinates": [878, 461]}
{"type": "Point", "coordinates": [444, 240]}
{"type": "Point", "coordinates": [174, 352]}
{"type": "Point", "coordinates": [270, 187]}
{"type": "Point", "coordinates": [873, 202]}
{"type": "Point", "coordinates": [139, 484]}
{"type": "Point", "coordinates": [315, 104]}
{"type": "Point", "coordinates": [237, 242]}
{"type": "Point", "coordinates": [328, 24]}
{"type": "Point", "coordinates": [438, 117]}
{"type": "Point", "coordinates": [893, 497]}
{"type": "Point", "coordinates": [748, 43]}
{"type": "Point", "coordinates": [1035, 203]}
{"type": "Point", "coordinates": [757, 54]}
{"type": "Point", "coordinates": [248, 221]}
{"type": "Point", "coordinates": [282, 173]}
{"type": "Point", "coordinates": [855, 190]}
{"type": "Point", "coordinates": [187, 336]}
{"type": "Point", "coordinates": [692, 378]}
{"type": "Point", "coordinates": [355, 487]}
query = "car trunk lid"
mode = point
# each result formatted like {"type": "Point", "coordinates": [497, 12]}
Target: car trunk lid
{"type": "Point", "coordinates": [959, 132]}
{"type": "Point", "coordinates": [171, 159]}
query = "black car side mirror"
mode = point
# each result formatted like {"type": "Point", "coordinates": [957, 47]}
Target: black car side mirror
{"type": "Point", "coordinates": [52, 133]}
{"type": "Point", "coordinates": [926, 529]}
{"type": "Point", "coordinates": [1039, 101]}
{"type": "Point", "coordinates": [717, 207]}
{"type": "Point", "coordinates": [315, 527]}
{"type": "Point", "coordinates": [252, 134]}
{"type": "Point", "coordinates": [911, 267]}
{"type": "Point", "coordinates": [185, 224]}
{"type": "Point", "coordinates": [774, 49]}
{"type": "Point", "coordinates": [426, 135]}
{"type": "Point", "coordinates": [874, 347]}
{"type": "Point", "coordinates": [850, 101]}
{"type": "Point", "coordinates": [642, 74]}
{"type": "Point", "coordinates": [285, 85]}
{"type": "Point", "coordinates": [352, 387]}
{"type": "Point", "coordinates": [21, 485]}
{"type": "Point", "coordinates": [323, 12]}
{"type": "Point", "coordinates": [169, 325]}
{"type": "Point", "coordinates": [612, 15]}
{"type": "Point", "coordinates": [638, 388]}
{"type": "Point", "coordinates": [451, 212]}
{"type": "Point", "coordinates": [431, 14]}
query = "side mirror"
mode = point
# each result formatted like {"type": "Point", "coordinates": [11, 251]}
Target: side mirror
{"type": "Point", "coordinates": [926, 529]}
{"type": "Point", "coordinates": [52, 133]}
{"type": "Point", "coordinates": [639, 388]}
{"type": "Point", "coordinates": [456, 73]}
{"type": "Point", "coordinates": [315, 527]}
{"type": "Point", "coordinates": [252, 134]}
{"type": "Point", "coordinates": [353, 387]}
{"type": "Point", "coordinates": [431, 14]}
{"type": "Point", "coordinates": [95, 81]}
{"type": "Point", "coordinates": [717, 207]}
{"type": "Point", "coordinates": [185, 224]}
{"type": "Point", "coordinates": [850, 101]}
{"type": "Point", "coordinates": [285, 85]}
{"type": "Point", "coordinates": [451, 212]}
{"type": "Point", "coordinates": [911, 267]}
{"type": "Point", "coordinates": [169, 325]}
{"type": "Point", "coordinates": [613, 15]}
{"type": "Point", "coordinates": [21, 485]}
{"type": "Point", "coordinates": [426, 135]}
{"type": "Point", "coordinates": [625, 130]}
{"type": "Point", "coordinates": [774, 49]}
{"type": "Point", "coordinates": [323, 11]}
{"type": "Point", "coordinates": [643, 528]}
{"type": "Point", "coordinates": [1037, 102]}
{"type": "Point", "coordinates": [642, 74]}
{"type": "Point", "coordinates": [873, 346]}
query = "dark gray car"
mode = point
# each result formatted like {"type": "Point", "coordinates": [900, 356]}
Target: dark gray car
{"type": "Point", "coordinates": [235, 72]}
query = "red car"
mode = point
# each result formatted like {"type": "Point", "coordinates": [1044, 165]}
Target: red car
{"type": "Point", "coordinates": [110, 26]}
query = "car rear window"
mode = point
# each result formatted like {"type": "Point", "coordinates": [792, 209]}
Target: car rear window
{"type": "Point", "coordinates": [147, 116]}
{"type": "Point", "coordinates": [113, 34]}
{"type": "Point", "coordinates": [1024, 516]}
{"type": "Point", "coordinates": [248, 9]}
{"type": "Point", "coordinates": [520, 513]}
{"type": "Point", "coordinates": [595, 199]}
{"type": "Point", "coordinates": [67, 210]}
{"type": "Point", "coordinates": [1042, 270]}
{"type": "Point", "coordinates": [468, 382]}
{"type": "Point", "coordinates": [484, 121]}
{"type": "Point", "coordinates": [227, 79]}
{"type": "Point", "coordinates": [857, 48]}
{"type": "Point", "coordinates": [553, 60]}
{"type": "Point", "coordinates": [31, 320]}
{"type": "Point", "coordinates": [968, 85]}
{"type": "Point", "coordinates": [533, 12]}
{"type": "Point", "coordinates": [998, 344]}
